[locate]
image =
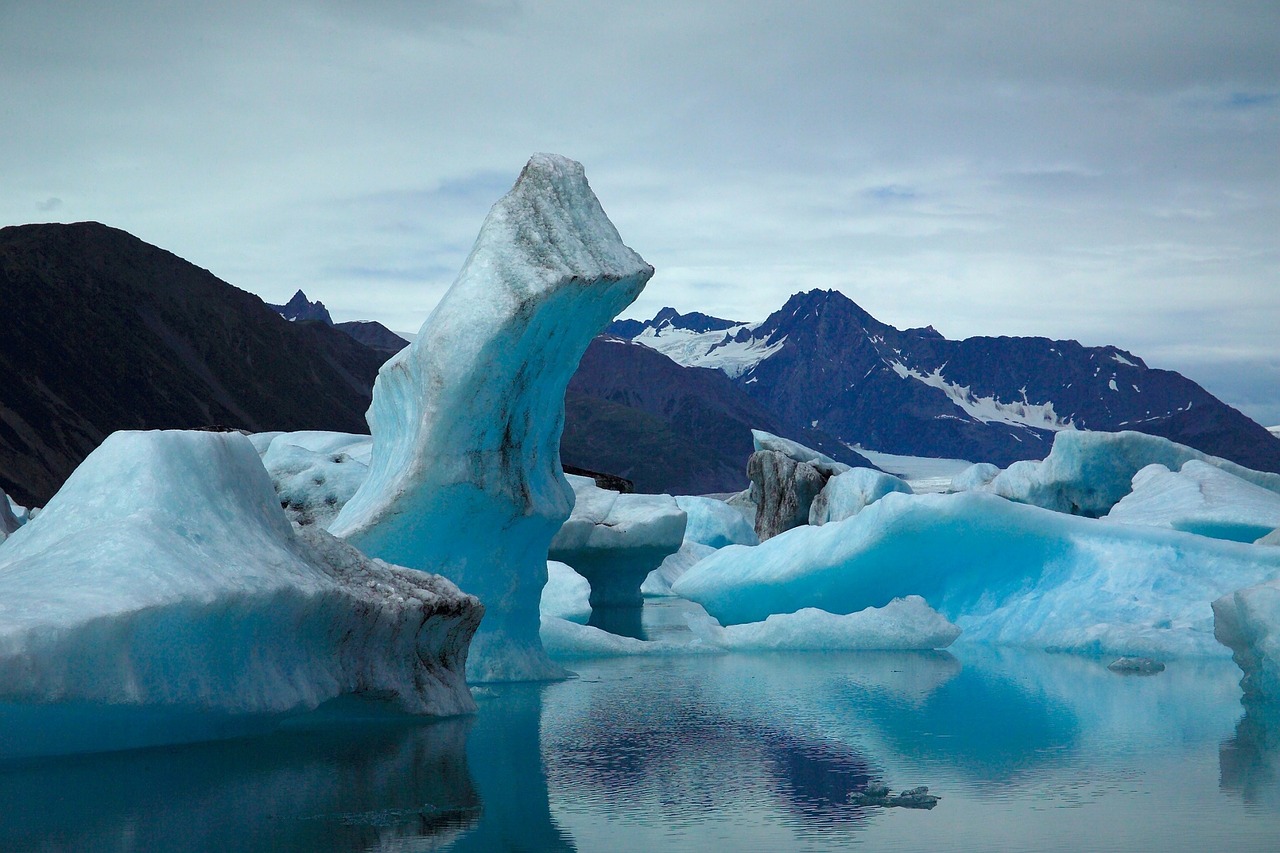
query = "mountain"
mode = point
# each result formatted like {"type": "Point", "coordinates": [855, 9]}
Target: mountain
{"type": "Point", "coordinates": [102, 331]}
{"type": "Point", "coordinates": [300, 308]}
{"type": "Point", "coordinates": [373, 335]}
{"type": "Point", "coordinates": [636, 413]}
{"type": "Point", "coordinates": [823, 362]}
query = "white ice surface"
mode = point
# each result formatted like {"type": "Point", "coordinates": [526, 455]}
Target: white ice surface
{"type": "Point", "coordinates": [1087, 473]}
{"type": "Point", "coordinates": [974, 477]}
{"type": "Point", "coordinates": [164, 573]}
{"type": "Point", "coordinates": [714, 523]}
{"type": "Point", "coordinates": [673, 566]}
{"type": "Point", "coordinates": [566, 595]}
{"type": "Point", "coordinates": [316, 473]}
{"type": "Point", "coordinates": [465, 473]}
{"type": "Point", "coordinates": [1248, 622]}
{"type": "Point", "coordinates": [903, 623]}
{"type": "Point", "coordinates": [565, 639]}
{"type": "Point", "coordinates": [924, 474]}
{"type": "Point", "coordinates": [797, 451]}
{"type": "Point", "coordinates": [847, 494]}
{"type": "Point", "coordinates": [1199, 499]}
{"type": "Point", "coordinates": [1004, 572]}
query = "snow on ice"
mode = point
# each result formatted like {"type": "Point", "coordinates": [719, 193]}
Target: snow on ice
{"type": "Point", "coordinates": [1199, 499]}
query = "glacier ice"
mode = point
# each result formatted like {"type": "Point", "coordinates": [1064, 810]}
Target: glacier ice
{"type": "Point", "coordinates": [659, 581]}
{"type": "Point", "coordinates": [1247, 621]}
{"type": "Point", "coordinates": [565, 639]}
{"type": "Point", "coordinates": [1199, 499]}
{"type": "Point", "coordinates": [566, 595]}
{"type": "Point", "coordinates": [974, 477]}
{"type": "Point", "coordinates": [794, 450]}
{"type": "Point", "coordinates": [316, 473]}
{"type": "Point", "coordinates": [616, 540]}
{"type": "Point", "coordinates": [465, 473]}
{"type": "Point", "coordinates": [1087, 473]}
{"type": "Point", "coordinates": [714, 523]}
{"type": "Point", "coordinates": [849, 493]}
{"type": "Point", "coordinates": [1002, 571]}
{"type": "Point", "coordinates": [164, 575]}
{"type": "Point", "coordinates": [903, 623]}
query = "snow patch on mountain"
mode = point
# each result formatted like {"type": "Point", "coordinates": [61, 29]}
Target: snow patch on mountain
{"type": "Point", "coordinates": [989, 409]}
{"type": "Point", "coordinates": [734, 350]}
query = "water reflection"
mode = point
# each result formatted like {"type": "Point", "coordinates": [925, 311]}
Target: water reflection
{"type": "Point", "coordinates": [1250, 760]}
{"type": "Point", "coordinates": [348, 787]}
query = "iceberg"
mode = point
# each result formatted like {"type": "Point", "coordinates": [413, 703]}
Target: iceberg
{"type": "Point", "coordinates": [316, 473]}
{"type": "Point", "coordinates": [1199, 499]}
{"type": "Point", "coordinates": [465, 477]}
{"type": "Point", "coordinates": [165, 575]}
{"type": "Point", "coordinates": [714, 523]}
{"type": "Point", "coordinates": [974, 477]}
{"type": "Point", "coordinates": [1087, 473]}
{"type": "Point", "coordinates": [565, 639]}
{"type": "Point", "coordinates": [902, 624]}
{"type": "Point", "coordinates": [616, 540]}
{"type": "Point", "coordinates": [9, 516]}
{"type": "Point", "coordinates": [567, 594]}
{"type": "Point", "coordinates": [1247, 621]}
{"type": "Point", "coordinates": [847, 494]}
{"type": "Point", "coordinates": [1003, 572]}
{"type": "Point", "coordinates": [659, 581]}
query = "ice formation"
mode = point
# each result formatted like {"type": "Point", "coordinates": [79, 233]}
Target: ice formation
{"type": "Point", "coordinates": [1247, 621]}
{"type": "Point", "coordinates": [616, 540]}
{"type": "Point", "coordinates": [9, 520]}
{"type": "Point", "coordinates": [164, 575]}
{"type": "Point", "coordinates": [465, 474]}
{"type": "Point", "coordinates": [974, 477]}
{"type": "Point", "coordinates": [1272, 538]}
{"type": "Point", "coordinates": [1003, 572]}
{"type": "Point", "coordinates": [845, 495]}
{"type": "Point", "coordinates": [904, 623]}
{"type": "Point", "coordinates": [565, 639]}
{"type": "Point", "coordinates": [316, 473]}
{"type": "Point", "coordinates": [660, 579]}
{"type": "Point", "coordinates": [566, 595]}
{"type": "Point", "coordinates": [714, 523]}
{"type": "Point", "coordinates": [797, 451]}
{"type": "Point", "coordinates": [1199, 499]}
{"type": "Point", "coordinates": [782, 491]}
{"type": "Point", "coordinates": [1087, 473]}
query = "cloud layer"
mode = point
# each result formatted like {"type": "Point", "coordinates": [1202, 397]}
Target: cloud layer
{"type": "Point", "coordinates": [1090, 170]}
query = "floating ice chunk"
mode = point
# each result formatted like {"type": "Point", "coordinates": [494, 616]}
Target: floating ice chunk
{"type": "Point", "coordinates": [1247, 621]}
{"type": "Point", "coordinates": [616, 540]}
{"type": "Point", "coordinates": [798, 452]}
{"type": "Point", "coordinates": [564, 639]}
{"type": "Point", "coordinates": [904, 623]}
{"type": "Point", "coordinates": [566, 595]}
{"type": "Point", "coordinates": [974, 477]}
{"type": "Point", "coordinates": [316, 473]}
{"type": "Point", "coordinates": [164, 574]}
{"type": "Point", "coordinates": [9, 516]}
{"type": "Point", "coordinates": [1199, 499]}
{"type": "Point", "coordinates": [1087, 473]}
{"type": "Point", "coordinates": [713, 522]}
{"type": "Point", "coordinates": [1003, 572]}
{"type": "Point", "coordinates": [847, 494]}
{"type": "Point", "coordinates": [465, 474]}
{"type": "Point", "coordinates": [659, 581]}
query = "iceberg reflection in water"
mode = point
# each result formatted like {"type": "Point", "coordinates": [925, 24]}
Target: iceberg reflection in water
{"type": "Point", "coordinates": [754, 752]}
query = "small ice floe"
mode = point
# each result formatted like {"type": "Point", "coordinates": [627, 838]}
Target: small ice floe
{"type": "Point", "coordinates": [878, 795]}
{"type": "Point", "coordinates": [1135, 666]}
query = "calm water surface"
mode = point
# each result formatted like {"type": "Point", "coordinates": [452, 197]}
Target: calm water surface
{"type": "Point", "coordinates": [748, 752]}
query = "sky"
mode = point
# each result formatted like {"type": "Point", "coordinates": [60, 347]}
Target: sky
{"type": "Point", "coordinates": [1106, 172]}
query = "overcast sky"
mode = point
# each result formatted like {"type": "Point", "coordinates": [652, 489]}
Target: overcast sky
{"type": "Point", "coordinates": [1108, 172]}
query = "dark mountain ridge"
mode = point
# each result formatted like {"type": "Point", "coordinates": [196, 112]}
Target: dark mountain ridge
{"type": "Point", "coordinates": [103, 331]}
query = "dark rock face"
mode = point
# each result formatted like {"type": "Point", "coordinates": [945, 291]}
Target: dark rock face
{"type": "Point", "coordinates": [373, 335]}
{"type": "Point", "coordinates": [839, 370]}
{"type": "Point", "coordinates": [635, 413]}
{"type": "Point", "coordinates": [299, 308]}
{"type": "Point", "coordinates": [783, 491]}
{"type": "Point", "coordinates": [102, 332]}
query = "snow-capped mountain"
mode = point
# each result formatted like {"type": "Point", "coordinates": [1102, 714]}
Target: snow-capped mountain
{"type": "Point", "coordinates": [822, 362]}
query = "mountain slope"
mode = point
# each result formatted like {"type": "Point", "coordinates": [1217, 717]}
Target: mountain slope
{"type": "Point", "coordinates": [102, 331]}
{"type": "Point", "coordinates": [636, 413]}
{"type": "Point", "coordinates": [821, 361]}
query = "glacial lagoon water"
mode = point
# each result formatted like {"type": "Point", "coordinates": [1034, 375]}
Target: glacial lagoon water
{"type": "Point", "coordinates": [1028, 751]}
